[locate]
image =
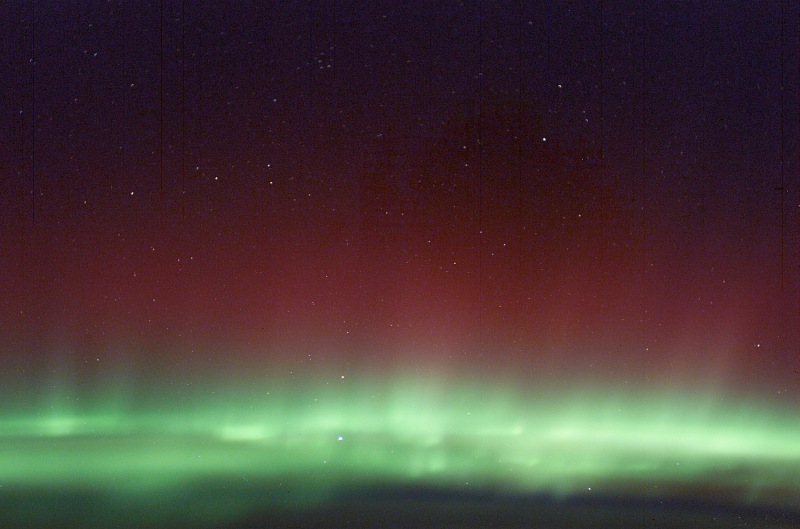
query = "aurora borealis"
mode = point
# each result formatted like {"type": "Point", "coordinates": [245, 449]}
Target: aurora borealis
{"type": "Point", "coordinates": [309, 444]}
{"type": "Point", "coordinates": [406, 264]}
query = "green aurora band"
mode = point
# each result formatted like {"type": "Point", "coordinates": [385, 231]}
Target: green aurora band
{"type": "Point", "coordinates": [306, 442]}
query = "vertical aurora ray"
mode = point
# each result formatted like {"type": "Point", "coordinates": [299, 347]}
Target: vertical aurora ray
{"type": "Point", "coordinates": [262, 257]}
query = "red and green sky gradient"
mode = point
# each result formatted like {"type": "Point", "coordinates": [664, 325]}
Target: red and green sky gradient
{"type": "Point", "coordinates": [538, 248]}
{"type": "Point", "coordinates": [404, 185]}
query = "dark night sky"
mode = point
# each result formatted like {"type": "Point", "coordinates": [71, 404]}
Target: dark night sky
{"type": "Point", "coordinates": [527, 187]}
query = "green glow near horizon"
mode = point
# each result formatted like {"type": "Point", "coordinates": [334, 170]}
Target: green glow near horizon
{"type": "Point", "coordinates": [327, 436]}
